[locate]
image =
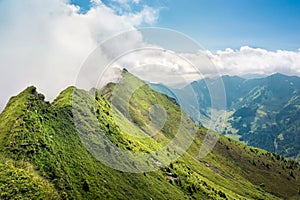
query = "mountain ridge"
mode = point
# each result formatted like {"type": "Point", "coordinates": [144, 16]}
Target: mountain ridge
{"type": "Point", "coordinates": [43, 136]}
{"type": "Point", "coordinates": [253, 107]}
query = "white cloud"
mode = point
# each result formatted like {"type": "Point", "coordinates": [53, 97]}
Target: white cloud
{"type": "Point", "coordinates": [44, 43]}
{"type": "Point", "coordinates": [136, 1]}
{"type": "Point", "coordinates": [249, 60]}
{"type": "Point", "coordinates": [155, 64]}
{"type": "Point", "coordinates": [147, 15]}
{"type": "Point", "coordinates": [246, 60]}
{"type": "Point", "coordinates": [123, 6]}
{"type": "Point", "coordinates": [170, 68]}
{"type": "Point", "coordinates": [127, 1]}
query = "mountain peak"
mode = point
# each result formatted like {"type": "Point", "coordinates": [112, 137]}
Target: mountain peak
{"type": "Point", "coordinates": [30, 93]}
{"type": "Point", "coordinates": [49, 140]}
{"type": "Point", "coordinates": [278, 75]}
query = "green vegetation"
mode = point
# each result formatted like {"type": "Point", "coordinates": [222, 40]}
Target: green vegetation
{"type": "Point", "coordinates": [43, 156]}
{"type": "Point", "coordinates": [19, 181]}
{"type": "Point", "coordinates": [263, 112]}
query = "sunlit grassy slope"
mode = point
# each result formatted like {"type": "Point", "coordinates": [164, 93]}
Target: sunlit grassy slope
{"type": "Point", "coordinates": [42, 156]}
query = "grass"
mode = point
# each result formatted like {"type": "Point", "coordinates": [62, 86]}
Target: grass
{"type": "Point", "coordinates": [43, 155]}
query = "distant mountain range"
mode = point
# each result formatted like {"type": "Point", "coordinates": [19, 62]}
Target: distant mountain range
{"type": "Point", "coordinates": [52, 150]}
{"type": "Point", "coordinates": [261, 112]}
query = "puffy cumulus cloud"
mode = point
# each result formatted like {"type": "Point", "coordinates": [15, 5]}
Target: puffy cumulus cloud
{"type": "Point", "coordinates": [124, 7]}
{"type": "Point", "coordinates": [126, 2]}
{"type": "Point", "coordinates": [244, 61]}
{"type": "Point", "coordinates": [147, 15]}
{"type": "Point", "coordinates": [156, 65]}
{"type": "Point", "coordinates": [249, 60]}
{"type": "Point", "coordinates": [159, 56]}
{"type": "Point", "coordinates": [44, 43]}
{"type": "Point", "coordinates": [153, 63]}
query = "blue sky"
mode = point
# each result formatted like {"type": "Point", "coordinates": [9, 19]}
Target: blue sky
{"type": "Point", "coordinates": [220, 24]}
{"type": "Point", "coordinates": [45, 39]}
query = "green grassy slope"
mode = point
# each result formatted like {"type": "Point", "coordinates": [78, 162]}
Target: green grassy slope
{"type": "Point", "coordinates": [262, 112]}
{"type": "Point", "coordinates": [43, 157]}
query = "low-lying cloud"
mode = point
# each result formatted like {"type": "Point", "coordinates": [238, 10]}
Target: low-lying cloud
{"type": "Point", "coordinates": [44, 43]}
{"type": "Point", "coordinates": [249, 60]}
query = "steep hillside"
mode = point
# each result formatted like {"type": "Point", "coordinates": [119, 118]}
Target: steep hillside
{"type": "Point", "coordinates": [44, 155]}
{"type": "Point", "coordinates": [268, 116]}
{"type": "Point", "coordinates": [262, 112]}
